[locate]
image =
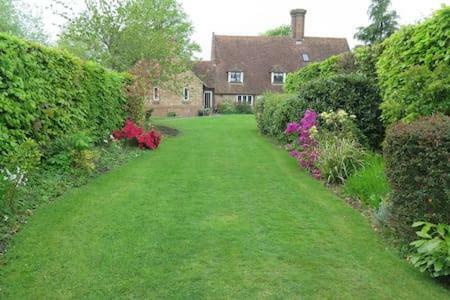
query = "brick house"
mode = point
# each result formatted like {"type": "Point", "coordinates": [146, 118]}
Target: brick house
{"type": "Point", "coordinates": [244, 67]}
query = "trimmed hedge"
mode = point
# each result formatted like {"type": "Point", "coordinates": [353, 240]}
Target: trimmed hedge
{"type": "Point", "coordinates": [46, 93]}
{"type": "Point", "coordinates": [417, 159]}
{"type": "Point", "coordinates": [414, 70]}
{"type": "Point", "coordinates": [338, 64]}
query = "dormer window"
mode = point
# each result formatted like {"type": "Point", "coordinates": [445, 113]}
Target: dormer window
{"type": "Point", "coordinates": [278, 77]}
{"type": "Point", "coordinates": [305, 57]}
{"type": "Point", "coordinates": [235, 77]}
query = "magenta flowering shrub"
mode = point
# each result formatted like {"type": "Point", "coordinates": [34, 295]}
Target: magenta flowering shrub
{"type": "Point", "coordinates": [304, 144]}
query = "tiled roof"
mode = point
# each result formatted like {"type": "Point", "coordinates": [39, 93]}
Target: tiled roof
{"type": "Point", "coordinates": [257, 57]}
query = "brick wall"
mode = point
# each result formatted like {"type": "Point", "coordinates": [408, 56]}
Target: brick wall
{"type": "Point", "coordinates": [171, 99]}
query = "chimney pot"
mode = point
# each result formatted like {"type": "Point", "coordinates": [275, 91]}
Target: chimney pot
{"type": "Point", "coordinates": [298, 24]}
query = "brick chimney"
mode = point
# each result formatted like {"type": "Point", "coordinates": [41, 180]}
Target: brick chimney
{"type": "Point", "coordinates": [298, 24]}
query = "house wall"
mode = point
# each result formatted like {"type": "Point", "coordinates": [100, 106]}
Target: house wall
{"type": "Point", "coordinates": [171, 99]}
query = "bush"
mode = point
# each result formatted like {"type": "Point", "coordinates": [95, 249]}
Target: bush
{"type": "Point", "coordinates": [418, 167]}
{"type": "Point", "coordinates": [414, 70]}
{"type": "Point", "coordinates": [338, 64]}
{"type": "Point", "coordinates": [171, 114]}
{"type": "Point", "coordinates": [274, 111]}
{"type": "Point", "coordinates": [432, 251]}
{"type": "Point", "coordinates": [228, 107]}
{"type": "Point", "coordinates": [46, 93]}
{"type": "Point", "coordinates": [136, 135]}
{"type": "Point", "coordinates": [368, 184]}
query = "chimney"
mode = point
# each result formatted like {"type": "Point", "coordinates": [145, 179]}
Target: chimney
{"type": "Point", "coordinates": [298, 24]}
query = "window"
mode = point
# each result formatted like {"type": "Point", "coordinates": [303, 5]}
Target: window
{"type": "Point", "coordinates": [235, 77]}
{"type": "Point", "coordinates": [185, 94]}
{"type": "Point", "coordinates": [278, 77]}
{"type": "Point", "coordinates": [305, 57]}
{"type": "Point", "coordinates": [156, 94]}
{"type": "Point", "coordinates": [244, 99]}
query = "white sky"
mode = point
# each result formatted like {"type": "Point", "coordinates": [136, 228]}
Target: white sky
{"type": "Point", "coordinates": [325, 18]}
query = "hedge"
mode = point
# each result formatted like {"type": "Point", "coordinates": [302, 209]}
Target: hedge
{"type": "Point", "coordinates": [417, 160]}
{"type": "Point", "coordinates": [414, 70]}
{"type": "Point", "coordinates": [46, 93]}
{"type": "Point", "coordinates": [337, 64]}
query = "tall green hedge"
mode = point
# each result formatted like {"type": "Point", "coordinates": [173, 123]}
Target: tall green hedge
{"type": "Point", "coordinates": [417, 159]}
{"type": "Point", "coordinates": [414, 70]}
{"type": "Point", "coordinates": [46, 93]}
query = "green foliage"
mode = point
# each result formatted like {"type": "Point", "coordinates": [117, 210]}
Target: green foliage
{"type": "Point", "coordinates": [384, 23]}
{"type": "Point", "coordinates": [338, 158]}
{"type": "Point", "coordinates": [283, 30]}
{"type": "Point", "coordinates": [171, 114]}
{"type": "Point", "coordinates": [418, 167]}
{"type": "Point", "coordinates": [26, 155]}
{"type": "Point", "coordinates": [337, 64]}
{"type": "Point", "coordinates": [274, 111]}
{"type": "Point", "coordinates": [119, 33]}
{"type": "Point", "coordinates": [354, 93]}
{"type": "Point", "coordinates": [432, 250]}
{"type": "Point", "coordinates": [414, 70]}
{"type": "Point", "coordinates": [369, 184]}
{"type": "Point", "coordinates": [229, 107]}
{"type": "Point", "coordinates": [366, 58]}
{"type": "Point", "coordinates": [45, 94]}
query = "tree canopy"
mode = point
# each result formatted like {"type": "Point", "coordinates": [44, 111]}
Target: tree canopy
{"type": "Point", "coordinates": [16, 19]}
{"type": "Point", "coordinates": [283, 30]}
{"type": "Point", "coordinates": [119, 33]}
{"type": "Point", "coordinates": [383, 23]}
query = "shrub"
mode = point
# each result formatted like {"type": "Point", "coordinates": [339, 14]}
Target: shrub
{"type": "Point", "coordinates": [135, 134]}
{"type": "Point", "coordinates": [413, 60]}
{"type": "Point", "coordinates": [46, 93]}
{"type": "Point", "coordinates": [354, 93]}
{"type": "Point", "coordinates": [338, 158]}
{"type": "Point", "coordinates": [338, 64]}
{"type": "Point", "coordinates": [369, 184]}
{"type": "Point", "coordinates": [418, 167]}
{"type": "Point", "coordinates": [275, 111]}
{"type": "Point", "coordinates": [27, 155]}
{"type": "Point", "coordinates": [171, 114]}
{"type": "Point", "coordinates": [243, 108]}
{"type": "Point", "coordinates": [432, 250]}
{"type": "Point", "coordinates": [226, 107]}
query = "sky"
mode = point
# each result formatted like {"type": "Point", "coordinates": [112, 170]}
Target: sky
{"type": "Point", "coordinates": [324, 18]}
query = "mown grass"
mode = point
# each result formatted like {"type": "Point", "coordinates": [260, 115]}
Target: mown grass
{"type": "Point", "coordinates": [217, 212]}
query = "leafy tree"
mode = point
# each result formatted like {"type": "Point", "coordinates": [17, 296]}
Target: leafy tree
{"type": "Point", "coordinates": [15, 18]}
{"type": "Point", "coordinates": [283, 30]}
{"type": "Point", "coordinates": [384, 23]}
{"type": "Point", "coordinates": [119, 33]}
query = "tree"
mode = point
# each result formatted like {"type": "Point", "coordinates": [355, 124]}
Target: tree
{"type": "Point", "coordinates": [16, 19]}
{"type": "Point", "coordinates": [119, 33]}
{"type": "Point", "coordinates": [384, 23]}
{"type": "Point", "coordinates": [283, 30]}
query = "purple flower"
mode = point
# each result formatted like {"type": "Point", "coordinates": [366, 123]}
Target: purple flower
{"type": "Point", "coordinates": [292, 128]}
{"type": "Point", "coordinates": [294, 153]}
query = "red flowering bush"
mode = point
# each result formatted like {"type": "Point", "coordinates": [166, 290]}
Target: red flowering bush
{"type": "Point", "coordinates": [148, 140]}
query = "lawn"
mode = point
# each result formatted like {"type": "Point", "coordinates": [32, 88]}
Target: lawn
{"type": "Point", "coordinates": [218, 212]}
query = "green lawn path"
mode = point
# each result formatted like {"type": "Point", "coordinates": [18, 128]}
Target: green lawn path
{"type": "Point", "coordinates": [218, 212]}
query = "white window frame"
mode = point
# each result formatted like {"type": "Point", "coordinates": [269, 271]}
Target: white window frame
{"type": "Point", "coordinates": [186, 94]}
{"type": "Point", "coordinates": [229, 77]}
{"type": "Point", "coordinates": [247, 99]}
{"type": "Point", "coordinates": [277, 73]}
{"type": "Point", "coordinates": [156, 94]}
{"type": "Point", "coordinates": [305, 55]}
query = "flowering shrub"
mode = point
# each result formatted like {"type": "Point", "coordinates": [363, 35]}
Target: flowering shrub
{"type": "Point", "coordinates": [132, 132]}
{"type": "Point", "coordinates": [333, 152]}
{"type": "Point", "coordinates": [303, 134]}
